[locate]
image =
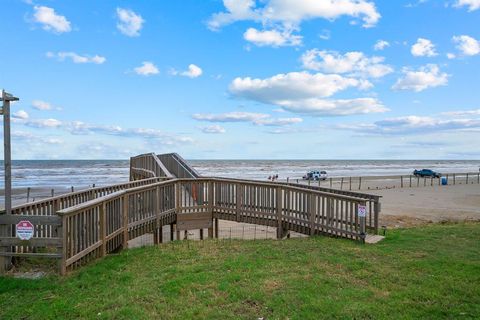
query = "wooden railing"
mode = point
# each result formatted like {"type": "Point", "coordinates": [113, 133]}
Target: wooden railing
{"type": "Point", "coordinates": [100, 226]}
{"type": "Point", "coordinates": [147, 166]}
{"type": "Point", "coordinates": [372, 203]}
{"type": "Point", "coordinates": [178, 166]}
{"type": "Point", "coordinates": [85, 225]}
{"type": "Point", "coordinates": [43, 215]}
{"type": "Point", "coordinates": [104, 225]}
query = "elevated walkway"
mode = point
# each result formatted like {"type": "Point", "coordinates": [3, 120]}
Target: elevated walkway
{"type": "Point", "coordinates": [165, 191]}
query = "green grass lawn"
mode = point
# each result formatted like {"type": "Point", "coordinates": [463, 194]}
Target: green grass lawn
{"type": "Point", "coordinates": [429, 272]}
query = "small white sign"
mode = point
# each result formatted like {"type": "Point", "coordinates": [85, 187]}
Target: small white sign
{"type": "Point", "coordinates": [362, 211]}
{"type": "Point", "coordinates": [25, 230]}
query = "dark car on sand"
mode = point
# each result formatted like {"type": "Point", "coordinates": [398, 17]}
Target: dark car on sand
{"type": "Point", "coordinates": [426, 173]}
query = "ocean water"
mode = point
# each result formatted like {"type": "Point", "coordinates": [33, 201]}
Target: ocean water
{"type": "Point", "coordinates": [62, 174]}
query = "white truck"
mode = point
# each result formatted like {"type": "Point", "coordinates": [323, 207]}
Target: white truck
{"type": "Point", "coordinates": [316, 175]}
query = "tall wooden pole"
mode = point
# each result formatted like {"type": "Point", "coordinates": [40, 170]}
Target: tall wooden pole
{"type": "Point", "coordinates": [7, 160]}
{"type": "Point", "coordinates": [6, 98]}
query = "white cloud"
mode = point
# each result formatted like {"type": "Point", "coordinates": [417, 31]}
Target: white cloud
{"type": "Point", "coordinates": [339, 107]}
{"type": "Point", "coordinates": [76, 58]}
{"type": "Point", "coordinates": [160, 137]}
{"type": "Point", "coordinates": [423, 48]}
{"type": "Point", "coordinates": [193, 71]}
{"type": "Point", "coordinates": [467, 45]}
{"type": "Point", "coordinates": [81, 128]}
{"type": "Point", "coordinates": [29, 137]}
{"type": "Point", "coordinates": [325, 34]}
{"type": "Point", "coordinates": [462, 113]}
{"type": "Point", "coordinates": [380, 45]}
{"type": "Point", "coordinates": [278, 122]}
{"type": "Point", "coordinates": [413, 124]}
{"type": "Point", "coordinates": [260, 119]}
{"type": "Point", "coordinates": [216, 129]}
{"type": "Point", "coordinates": [274, 38]}
{"type": "Point", "coordinates": [50, 20]}
{"type": "Point", "coordinates": [129, 22]}
{"type": "Point", "coordinates": [451, 55]}
{"type": "Point", "coordinates": [20, 114]}
{"type": "Point", "coordinates": [293, 85]}
{"type": "Point", "coordinates": [43, 105]}
{"type": "Point", "coordinates": [44, 123]}
{"type": "Point", "coordinates": [293, 12]}
{"type": "Point", "coordinates": [471, 4]}
{"type": "Point", "coordinates": [428, 76]}
{"type": "Point", "coordinates": [236, 10]}
{"type": "Point", "coordinates": [304, 93]}
{"type": "Point", "coordinates": [354, 63]}
{"type": "Point", "coordinates": [147, 69]}
{"type": "Point", "coordinates": [230, 117]}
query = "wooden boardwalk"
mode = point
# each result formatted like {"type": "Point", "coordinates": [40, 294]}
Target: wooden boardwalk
{"type": "Point", "coordinates": [83, 226]}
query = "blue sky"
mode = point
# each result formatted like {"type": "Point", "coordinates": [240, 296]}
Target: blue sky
{"type": "Point", "coordinates": [270, 79]}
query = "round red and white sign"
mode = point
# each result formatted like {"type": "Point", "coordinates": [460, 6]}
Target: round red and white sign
{"type": "Point", "coordinates": [25, 230]}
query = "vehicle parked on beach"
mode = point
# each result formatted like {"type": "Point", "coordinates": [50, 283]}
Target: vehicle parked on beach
{"type": "Point", "coordinates": [316, 175]}
{"type": "Point", "coordinates": [426, 173]}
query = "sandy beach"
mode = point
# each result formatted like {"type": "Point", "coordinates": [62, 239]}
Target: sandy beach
{"type": "Point", "coordinates": [412, 206]}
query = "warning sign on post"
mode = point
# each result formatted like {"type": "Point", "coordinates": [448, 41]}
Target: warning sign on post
{"type": "Point", "coordinates": [25, 230]}
{"type": "Point", "coordinates": [362, 211]}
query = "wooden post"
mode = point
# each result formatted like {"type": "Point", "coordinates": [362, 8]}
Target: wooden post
{"type": "Point", "coordinates": [125, 221]}
{"type": "Point", "coordinates": [210, 206]}
{"type": "Point", "coordinates": [5, 230]}
{"type": "Point", "coordinates": [359, 183]}
{"type": "Point", "coordinates": [410, 181]}
{"type": "Point", "coordinates": [103, 229]}
{"type": "Point", "coordinates": [279, 212]}
{"type": "Point", "coordinates": [238, 200]}
{"type": "Point", "coordinates": [7, 159]}
{"type": "Point", "coordinates": [177, 205]}
{"type": "Point", "coordinates": [478, 177]}
{"type": "Point", "coordinates": [401, 181]}
{"type": "Point", "coordinates": [288, 180]}
{"type": "Point", "coordinates": [63, 233]}
{"type": "Point", "coordinates": [216, 228]}
{"type": "Point", "coordinates": [466, 182]}
{"type": "Point", "coordinates": [376, 211]}
{"type": "Point", "coordinates": [156, 211]}
{"type": "Point", "coordinates": [28, 194]}
{"type": "Point", "coordinates": [341, 184]}
{"type": "Point", "coordinates": [454, 179]}
{"type": "Point", "coordinates": [363, 233]}
{"type": "Point", "coordinates": [350, 188]}
{"type": "Point", "coordinates": [312, 211]}
{"type": "Point", "coordinates": [331, 182]}
{"type": "Point", "coordinates": [201, 234]}
{"type": "Point", "coordinates": [172, 232]}
{"type": "Point", "coordinates": [53, 193]}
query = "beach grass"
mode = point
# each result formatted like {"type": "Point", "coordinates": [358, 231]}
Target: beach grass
{"type": "Point", "coordinates": [424, 272]}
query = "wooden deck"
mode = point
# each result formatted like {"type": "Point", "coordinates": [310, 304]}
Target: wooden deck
{"type": "Point", "coordinates": [83, 226]}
